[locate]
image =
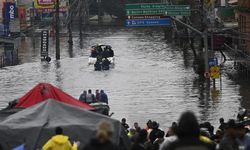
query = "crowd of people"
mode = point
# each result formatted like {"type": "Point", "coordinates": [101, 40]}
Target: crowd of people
{"type": "Point", "coordinates": [188, 134]}
{"type": "Point", "coordinates": [89, 97]}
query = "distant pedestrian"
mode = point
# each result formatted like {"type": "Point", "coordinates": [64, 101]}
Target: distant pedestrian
{"type": "Point", "coordinates": [82, 97]}
{"type": "Point", "coordinates": [104, 97]}
{"type": "Point", "coordinates": [90, 98]}
{"type": "Point", "coordinates": [60, 142]}
{"type": "Point", "coordinates": [97, 96]}
{"type": "Point", "coordinates": [102, 141]}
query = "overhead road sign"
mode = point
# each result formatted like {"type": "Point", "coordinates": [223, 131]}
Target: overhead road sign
{"type": "Point", "coordinates": [146, 6]}
{"type": "Point", "coordinates": [146, 17]}
{"type": "Point", "coordinates": [146, 12]}
{"type": "Point", "coordinates": [177, 13]}
{"type": "Point", "coordinates": [148, 22]}
{"type": "Point", "coordinates": [178, 10]}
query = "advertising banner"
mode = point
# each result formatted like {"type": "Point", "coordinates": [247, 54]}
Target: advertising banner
{"type": "Point", "coordinates": [10, 11]}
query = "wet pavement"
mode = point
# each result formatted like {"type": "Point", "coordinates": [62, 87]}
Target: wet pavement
{"type": "Point", "coordinates": [151, 79]}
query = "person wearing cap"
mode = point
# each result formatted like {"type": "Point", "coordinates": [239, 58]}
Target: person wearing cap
{"type": "Point", "coordinates": [243, 137]}
{"type": "Point", "coordinates": [229, 140]}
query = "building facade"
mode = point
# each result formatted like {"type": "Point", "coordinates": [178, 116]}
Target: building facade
{"type": "Point", "coordinates": [244, 25]}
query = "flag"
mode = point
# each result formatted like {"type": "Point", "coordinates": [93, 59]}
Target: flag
{"type": "Point", "coordinates": [21, 147]}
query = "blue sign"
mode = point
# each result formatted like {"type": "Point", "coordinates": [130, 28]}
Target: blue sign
{"type": "Point", "coordinates": [148, 22]}
{"type": "Point", "coordinates": [10, 11]}
{"type": "Point", "coordinates": [213, 61]}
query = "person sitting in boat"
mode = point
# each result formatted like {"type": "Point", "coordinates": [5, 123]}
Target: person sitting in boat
{"type": "Point", "coordinates": [103, 97]}
{"type": "Point", "coordinates": [99, 50]}
{"type": "Point", "coordinates": [82, 97]}
{"type": "Point", "coordinates": [105, 52]}
{"type": "Point", "coordinates": [93, 52]}
{"type": "Point", "coordinates": [98, 64]}
{"type": "Point", "coordinates": [105, 63]}
{"type": "Point", "coordinates": [110, 51]}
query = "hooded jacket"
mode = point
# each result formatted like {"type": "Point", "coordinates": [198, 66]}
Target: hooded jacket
{"type": "Point", "coordinates": [59, 142]}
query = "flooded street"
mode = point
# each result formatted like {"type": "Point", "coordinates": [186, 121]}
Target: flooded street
{"type": "Point", "coordinates": [151, 79]}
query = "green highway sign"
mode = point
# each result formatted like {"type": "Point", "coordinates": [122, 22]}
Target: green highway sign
{"type": "Point", "coordinates": [177, 13]}
{"type": "Point", "coordinates": [146, 6]}
{"type": "Point", "coordinates": [158, 9]}
{"type": "Point", "coordinates": [146, 12]}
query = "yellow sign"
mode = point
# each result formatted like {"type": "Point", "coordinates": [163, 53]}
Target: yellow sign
{"type": "Point", "coordinates": [44, 4]}
{"type": "Point", "coordinates": [215, 72]}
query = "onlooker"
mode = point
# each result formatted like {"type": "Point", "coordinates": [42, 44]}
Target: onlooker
{"type": "Point", "coordinates": [60, 142]}
{"type": "Point", "coordinates": [104, 97]}
{"type": "Point", "coordinates": [102, 141]}
{"type": "Point", "coordinates": [124, 124]}
{"type": "Point", "coordinates": [140, 141]}
{"type": "Point", "coordinates": [159, 140]}
{"type": "Point", "coordinates": [229, 140]}
{"type": "Point", "coordinates": [222, 124]}
{"type": "Point", "coordinates": [171, 136]}
{"type": "Point", "coordinates": [137, 127]}
{"type": "Point", "coordinates": [188, 135]}
{"type": "Point", "coordinates": [243, 137]}
{"type": "Point", "coordinates": [153, 133]}
{"type": "Point", "coordinates": [82, 97]}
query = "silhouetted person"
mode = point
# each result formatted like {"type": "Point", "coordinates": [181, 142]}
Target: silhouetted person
{"type": "Point", "coordinates": [222, 124]}
{"type": "Point", "coordinates": [90, 98]}
{"type": "Point", "coordinates": [97, 96]}
{"type": "Point", "coordinates": [124, 124]}
{"type": "Point", "coordinates": [82, 97]}
{"type": "Point", "coordinates": [103, 97]}
{"type": "Point", "coordinates": [98, 65]}
{"type": "Point", "coordinates": [188, 133]}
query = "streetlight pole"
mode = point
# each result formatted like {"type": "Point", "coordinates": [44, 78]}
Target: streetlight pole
{"type": "Point", "coordinates": [57, 31]}
{"type": "Point", "coordinates": [99, 11]}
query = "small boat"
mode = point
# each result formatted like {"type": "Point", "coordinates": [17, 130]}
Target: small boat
{"type": "Point", "coordinates": [101, 51]}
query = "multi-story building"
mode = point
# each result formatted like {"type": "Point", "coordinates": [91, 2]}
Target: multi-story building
{"type": "Point", "coordinates": [1, 8]}
{"type": "Point", "coordinates": [244, 25]}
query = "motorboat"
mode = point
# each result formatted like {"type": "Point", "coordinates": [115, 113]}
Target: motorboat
{"type": "Point", "coordinates": [101, 52]}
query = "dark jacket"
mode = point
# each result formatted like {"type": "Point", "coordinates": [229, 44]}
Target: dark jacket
{"type": "Point", "coordinates": [96, 145]}
{"type": "Point", "coordinates": [104, 98]}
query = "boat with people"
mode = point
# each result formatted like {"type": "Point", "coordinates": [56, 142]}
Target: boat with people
{"type": "Point", "coordinates": [102, 57]}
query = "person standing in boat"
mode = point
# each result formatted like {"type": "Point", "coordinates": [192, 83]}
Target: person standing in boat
{"type": "Point", "coordinates": [98, 64]}
{"type": "Point", "coordinates": [82, 97]}
{"type": "Point", "coordinates": [110, 51]}
{"type": "Point", "coordinates": [93, 52]}
{"type": "Point", "coordinates": [90, 98]}
{"type": "Point", "coordinates": [97, 96]}
{"type": "Point", "coordinates": [103, 97]}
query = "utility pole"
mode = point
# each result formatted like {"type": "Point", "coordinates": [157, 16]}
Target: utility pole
{"type": "Point", "coordinates": [70, 41]}
{"type": "Point", "coordinates": [204, 35]}
{"type": "Point", "coordinates": [57, 31]}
